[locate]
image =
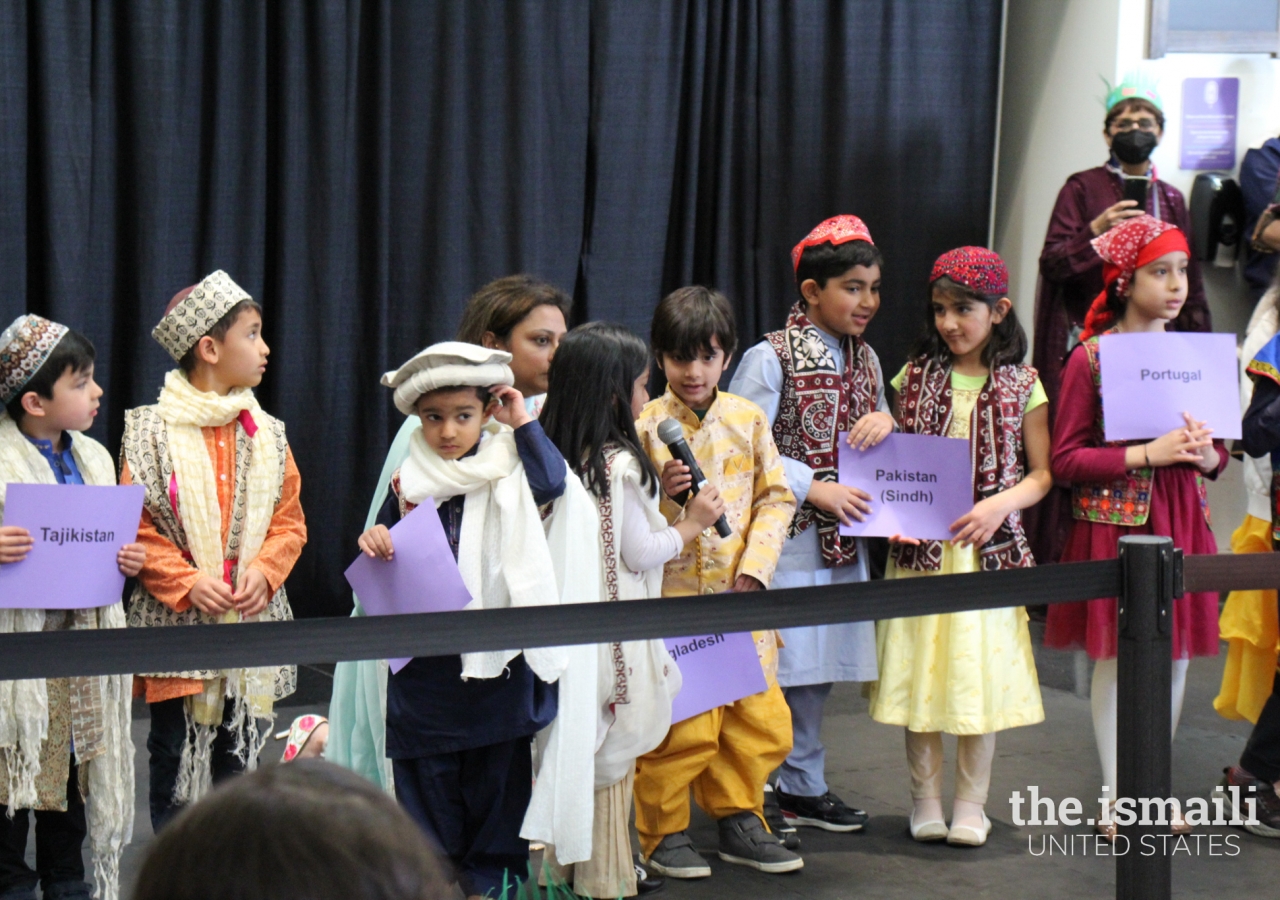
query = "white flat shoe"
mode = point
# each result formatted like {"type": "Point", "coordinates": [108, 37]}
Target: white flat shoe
{"type": "Point", "coordinates": [933, 830]}
{"type": "Point", "coordinates": [967, 835]}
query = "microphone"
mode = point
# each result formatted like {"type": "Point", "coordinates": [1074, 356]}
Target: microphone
{"type": "Point", "coordinates": [671, 434]}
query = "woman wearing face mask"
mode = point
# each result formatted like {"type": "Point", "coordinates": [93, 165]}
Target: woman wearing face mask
{"type": "Point", "coordinates": [1090, 203]}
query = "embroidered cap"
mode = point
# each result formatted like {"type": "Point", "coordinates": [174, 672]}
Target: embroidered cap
{"type": "Point", "coordinates": [977, 268]}
{"type": "Point", "coordinates": [448, 364]}
{"type": "Point", "coordinates": [193, 312]}
{"type": "Point", "coordinates": [25, 346]}
{"type": "Point", "coordinates": [836, 230]}
{"type": "Point", "coordinates": [1125, 248]}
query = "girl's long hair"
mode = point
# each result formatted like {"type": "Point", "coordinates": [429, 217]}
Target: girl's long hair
{"type": "Point", "coordinates": [1008, 343]}
{"type": "Point", "coordinates": [589, 401]}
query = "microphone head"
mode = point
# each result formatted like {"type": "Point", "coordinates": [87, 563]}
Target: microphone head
{"type": "Point", "coordinates": [669, 431]}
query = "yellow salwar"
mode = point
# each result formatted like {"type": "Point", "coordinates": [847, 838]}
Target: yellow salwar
{"type": "Point", "coordinates": [962, 673]}
{"type": "Point", "coordinates": [1250, 627]}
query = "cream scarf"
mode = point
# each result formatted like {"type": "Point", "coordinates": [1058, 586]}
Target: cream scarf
{"type": "Point", "coordinates": [502, 551]}
{"type": "Point", "coordinates": [24, 707]}
{"type": "Point", "coordinates": [185, 410]}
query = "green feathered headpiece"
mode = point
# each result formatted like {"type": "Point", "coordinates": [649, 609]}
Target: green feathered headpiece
{"type": "Point", "coordinates": [1134, 86]}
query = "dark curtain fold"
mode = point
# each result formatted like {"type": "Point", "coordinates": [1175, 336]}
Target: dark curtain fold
{"type": "Point", "coordinates": [361, 167]}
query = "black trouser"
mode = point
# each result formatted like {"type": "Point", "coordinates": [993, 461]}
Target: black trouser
{"type": "Point", "coordinates": [1261, 757]}
{"type": "Point", "coordinates": [165, 742]}
{"type": "Point", "coordinates": [59, 838]}
{"type": "Point", "coordinates": [471, 804]}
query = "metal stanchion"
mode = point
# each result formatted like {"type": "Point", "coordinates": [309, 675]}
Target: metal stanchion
{"type": "Point", "coordinates": [1151, 578]}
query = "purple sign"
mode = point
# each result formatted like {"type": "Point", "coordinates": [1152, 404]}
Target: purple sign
{"type": "Point", "coordinates": [1209, 123]}
{"type": "Point", "coordinates": [1150, 379]}
{"type": "Point", "coordinates": [421, 577]}
{"type": "Point", "coordinates": [78, 530]}
{"type": "Point", "coordinates": [716, 669]}
{"type": "Point", "coordinates": [919, 484]}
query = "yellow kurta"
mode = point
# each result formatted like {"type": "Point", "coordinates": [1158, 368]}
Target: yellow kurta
{"type": "Point", "coordinates": [724, 754]}
{"type": "Point", "coordinates": [1249, 626]}
{"type": "Point", "coordinates": [962, 673]}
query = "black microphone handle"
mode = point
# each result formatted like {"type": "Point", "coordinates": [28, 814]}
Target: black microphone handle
{"type": "Point", "coordinates": [681, 451]}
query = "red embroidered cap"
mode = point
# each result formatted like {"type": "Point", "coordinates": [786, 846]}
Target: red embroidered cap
{"type": "Point", "coordinates": [836, 230]}
{"type": "Point", "coordinates": [976, 268]}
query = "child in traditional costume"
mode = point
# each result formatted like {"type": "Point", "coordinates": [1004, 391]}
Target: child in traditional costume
{"type": "Point", "coordinates": [526, 318]}
{"type": "Point", "coordinates": [726, 753]}
{"type": "Point", "coordinates": [1249, 621]}
{"type": "Point", "coordinates": [61, 739]}
{"type": "Point", "coordinates": [1136, 487]}
{"type": "Point", "coordinates": [459, 728]}
{"type": "Point", "coordinates": [223, 527]}
{"type": "Point", "coordinates": [598, 390]}
{"type": "Point", "coordinates": [814, 379]}
{"type": "Point", "coordinates": [969, 674]}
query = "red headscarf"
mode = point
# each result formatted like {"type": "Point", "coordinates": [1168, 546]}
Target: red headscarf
{"type": "Point", "coordinates": [836, 230]}
{"type": "Point", "coordinates": [1124, 249]}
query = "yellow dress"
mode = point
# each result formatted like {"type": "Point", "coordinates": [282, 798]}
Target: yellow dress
{"type": "Point", "coordinates": [1249, 626]}
{"type": "Point", "coordinates": [962, 673]}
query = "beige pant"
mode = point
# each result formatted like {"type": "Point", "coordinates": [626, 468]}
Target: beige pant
{"type": "Point", "coordinates": [610, 872]}
{"type": "Point", "coordinates": [973, 765]}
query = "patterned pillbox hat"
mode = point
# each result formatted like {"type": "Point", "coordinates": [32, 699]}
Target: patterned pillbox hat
{"type": "Point", "coordinates": [192, 316]}
{"type": "Point", "coordinates": [835, 231]}
{"type": "Point", "coordinates": [25, 346]}
{"type": "Point", "coordinates": [976, 268]}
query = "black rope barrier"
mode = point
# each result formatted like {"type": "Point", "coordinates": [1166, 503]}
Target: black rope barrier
{"type": "Point", "coordinates": [59, 654]}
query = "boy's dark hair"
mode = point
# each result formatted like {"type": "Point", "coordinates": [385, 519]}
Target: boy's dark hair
{"type": "Point", "coordinates": [482, 393]}
{"type": "Point", "coordinates": [1133, 104]}
{"type": "Point", "coordinates": [1008, 344]}
{"type": "Point", "coordinates": [501, 305]}
{"type": "Point", "coordinates": [306, 829]}
{"type": "Point", "coordinates": [74, 352]}
{"type": "Point", "coordinates": [218, 332]}
{"type": "Point", "coordinates": [589, 401]}
{"type": "Point", "coordinates": [687, 319]}
{"type": "Point", "coordinates": [822, 262]}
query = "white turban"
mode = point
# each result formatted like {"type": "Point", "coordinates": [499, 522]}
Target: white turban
{"type": "Point", "coordinates": [450, 364]}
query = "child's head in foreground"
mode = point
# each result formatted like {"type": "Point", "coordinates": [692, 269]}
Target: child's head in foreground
{"type": "Point", "coordinates": [46, 377]}
{"type": "Point", "coordinates": [971, 317]}
{"type": "Point", "coordinates": [693, 338]}
{"type": "Point", "coordinates": [837, 268]}
{"type": "Point", "coordinates": [306, 831]}
{"type": "Point", "coordinates": [213, 331]}
{"type": "Point", "coordinates": [447, 387]}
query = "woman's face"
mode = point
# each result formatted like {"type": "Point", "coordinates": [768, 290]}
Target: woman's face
{"type": "Point", "coordinates": [1133, 119]}
{"type": "Point", "coordinates": [532, 346]}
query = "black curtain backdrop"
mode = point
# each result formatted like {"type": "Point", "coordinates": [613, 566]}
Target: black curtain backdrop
{"type": "Point", "coordinates": [362, 167]}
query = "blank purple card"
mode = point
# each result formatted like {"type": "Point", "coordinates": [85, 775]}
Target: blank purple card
{"type": "Point", "coordinates": [78, 531]}
{"type": "Point", "coordinates": [919, 484]}
{"type": "Point", "coordinates": [715, 669]}
{"type": "Point", "coordinates": [1149, 379]}
{"type": "Point", "coordinates": [421, 577]}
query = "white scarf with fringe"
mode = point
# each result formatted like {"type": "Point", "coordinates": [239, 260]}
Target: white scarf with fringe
{"type": "Point", "coordinates": [509, 557]}
{"type": "Point", "coordinates": [24, 707]}
{"type": "Point", "coordinates": [185, 411]}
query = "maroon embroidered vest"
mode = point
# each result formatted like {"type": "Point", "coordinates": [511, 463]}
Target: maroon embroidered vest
{"type": "Point", "coordinates": [817, 403]}
{"type": "Point", "coordinates": [995, 448]}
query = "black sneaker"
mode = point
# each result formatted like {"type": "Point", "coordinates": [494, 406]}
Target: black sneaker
{"type": "Point", "coordinates": [676, 858]}
{"type": "Point", "coordinates": [783, 830]}
{"type": "Point", "coordinates": [647, 882]}
{"type": "Point", "coordinates": [744, 841]}
{"type": "Point", "coordinates": [1267, 810]}
{"type": "Point", "coordinates": [827, 812]}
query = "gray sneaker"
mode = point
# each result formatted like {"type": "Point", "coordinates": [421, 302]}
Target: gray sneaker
{"type": "Point", "coordinates": [676, 858]}
{"type": "Point", "coordinates": [745, 842]}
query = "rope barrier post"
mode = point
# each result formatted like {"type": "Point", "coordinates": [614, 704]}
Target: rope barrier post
{"type": "Point", "coordinates": [1150, 568]}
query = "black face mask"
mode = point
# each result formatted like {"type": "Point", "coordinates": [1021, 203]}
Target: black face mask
{"type": "Point", "coordinates": [1133, 146]}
